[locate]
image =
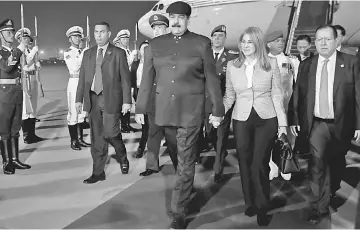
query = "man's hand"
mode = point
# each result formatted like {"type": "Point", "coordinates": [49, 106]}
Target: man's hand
{"type": "Point", "coordinates": [295, 129]}
{"type": "Point", "coordinates": [37, 65]}
{"type": "Point", "coordinates": [126, 108]}
{"type": "Point", "coordinates": [139, 118]}
{"type": "Point", "coordinates": [215, 121]}
{"type": "Point", "coordinates": [357, 136]}
{"type": "Point", "coordinates": [79, 107]}
{"type": "Point", "coordinates": [35, 49]}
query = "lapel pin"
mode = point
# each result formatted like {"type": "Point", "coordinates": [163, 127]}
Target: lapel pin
{"type": "Point", "coordinates": [109, 52]}
{"type": "Point", "coordinates": [223, 59]}
{"type": "Point", "coordinates": [342, 65]}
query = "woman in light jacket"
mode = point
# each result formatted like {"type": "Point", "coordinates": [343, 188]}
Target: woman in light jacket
{"type": "Point", "coordinates": [253, 83]}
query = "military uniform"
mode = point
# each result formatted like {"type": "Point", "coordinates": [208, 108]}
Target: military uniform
{"type": "Point", "coordinates": [219, 136]}
{"type": "Point", "coordinates": [11, 99]}
{"type": "Point", "coordinates": [125, 118]}
{"type": "Point", "coordinates": [30, 94]}
{"type": "Point", "coordinates": [73, 58]}
{"type": "Point", "coordinates": [182, 68]}
{"type": "Point", "coordinates": [288, 66]}
{"type": "Point", "coordinates": [156, 133]}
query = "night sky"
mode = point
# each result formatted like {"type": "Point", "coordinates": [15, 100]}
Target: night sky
{"type": "Point", "coordinates": [55, 18]}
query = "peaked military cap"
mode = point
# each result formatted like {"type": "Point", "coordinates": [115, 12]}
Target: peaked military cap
{"type": "Point", "coordinates": [179, 8]}
{"type": "Point", "coordinates": [27, 33]}
{"type": "Point", "coordinates": [220, 28]}
{"type": "Point", "coordinates": [158, 19]}
{"type": "Point", "coordinates": [74, 30]}
{"type": "Point", "coordinates": [7, 24]}
{"type": "Point", "coordinates": [121, 34]}
{"type": "Point", "coordinates": [273, 36]}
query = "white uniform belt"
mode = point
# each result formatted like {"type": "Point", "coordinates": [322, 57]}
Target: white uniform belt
{"type": "Point", "coordinates": [74, 75]}
{"type": "Point", "coordinates": [15, 81]}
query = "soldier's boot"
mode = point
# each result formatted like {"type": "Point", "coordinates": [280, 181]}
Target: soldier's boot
{"type": "Point", "coordinates": [26, 127]}
{"type": "Point", "coordinates": [80, 133]}
{"type": "Point", "coordinates": [33, 137]}
{"type": "Point", "coordinates": [14, 146]}
{"type": "Point", "coordinates": [127, 120]}
{"type": "Point", "coordinates": [8, 166]}
{"type": "Point", "coordinates": [74, 142]}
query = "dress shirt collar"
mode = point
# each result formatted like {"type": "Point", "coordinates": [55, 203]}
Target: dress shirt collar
{"type": "Point", "coordinates": [332, 58]}
{"type": "Point", "coordinates": [338, 48]}
{"type": "Point", "coordinates": [219, 52]}
{"type": "Point", "coordinates": [104, 47]}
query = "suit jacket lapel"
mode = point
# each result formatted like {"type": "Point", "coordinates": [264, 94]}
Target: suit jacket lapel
{"type": "Point", "coordinates": [312, 86]}
{"type": "Point", "coordinates": [338, 72]}
{"type": "Point", "coordinates": [108, 53]}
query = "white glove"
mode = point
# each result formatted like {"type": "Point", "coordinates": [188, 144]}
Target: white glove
{"type": "Point", "coordinates": [38, 65]}
{"type": "Point", "coordinates": [35, 49]}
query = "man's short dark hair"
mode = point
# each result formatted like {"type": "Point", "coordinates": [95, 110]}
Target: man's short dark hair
{"type": "Point", "coordinates": [338, 27]}
{"type": "Point", "coordinates": [328, 26]}
{"type": "Point", "coordinates": [304, 37]}
{"type": "Point", "coordinates": [103, 24]}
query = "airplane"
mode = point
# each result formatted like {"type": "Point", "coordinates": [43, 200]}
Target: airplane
{"type": "Point", "coordinates": [237, 15]}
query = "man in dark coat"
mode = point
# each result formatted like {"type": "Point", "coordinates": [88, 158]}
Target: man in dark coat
{"type": "Point", "coordinates": [182, 67]}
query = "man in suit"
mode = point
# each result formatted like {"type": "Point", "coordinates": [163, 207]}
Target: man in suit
{"type": "Point", "coordinates": [122, 41]}
{"type": "Point", "coordinates": [325, 110]}
{"type": "Point", "coordinates": [219, 136]}
{"type": "Point", "coordinates": [11, 98]}
{"type": "Point", "coordinates": [341, 33]}
{"type": "Point", "coordinates": [303, 47]}
{"type": "Point", "coordinates": [182, 67]}
{"type": "Point", "coordinates": [104, 86]}
{"type": "Point", "coordinates": [159, 24]}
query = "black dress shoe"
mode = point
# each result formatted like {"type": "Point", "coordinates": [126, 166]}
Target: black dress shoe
{"type": "Point", "coordinates": [82, 143]}
{"type": "Point", "coordinates": [218, 177]}
{"type": "Point", "coordinates": [148, 172]}
{"type": "Point", "coordinates": [94, 178]}
{"type": "Point", "coordinates": [125, 129]}
{"type": "Point", "coordinates": [316, 217]}
{"type": "Point", "coordinates": [178, 223]}
{"type": "Point", "coordinates": [74, 145]}
{"type": "Point", "coordinates": [124, 166]}
{"type": "Point", "coordinates": [206, 148]}
{"type": "Point", "coordinates": [199, 161]}
{"type": "Point", "coordinates": [131, 129]}
{"type": "Point", "coordinates": [250, 212]}
{"type": "Point", "coordinates": [263, 219]}
{"type": "Point", "coordinates": [140, 153]}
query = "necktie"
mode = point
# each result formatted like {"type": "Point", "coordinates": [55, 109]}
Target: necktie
{"type": "Point", "coordinates": [216, 56]}
{"type": "Point", "coordinates": [323, 97]}
{"type": "Point", "coordinates": [28, 50]}
{"type": "Point", "coordinates": [98, 81]}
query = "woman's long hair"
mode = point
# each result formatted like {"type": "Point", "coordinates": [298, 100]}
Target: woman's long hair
{"type": "Point", "coordinates": [257, 37]}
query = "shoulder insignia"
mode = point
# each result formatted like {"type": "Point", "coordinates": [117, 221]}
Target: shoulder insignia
{"type": "Point", "coordinates": [67, 56]}
{"type": "Point", "coordinates": [233, 52]}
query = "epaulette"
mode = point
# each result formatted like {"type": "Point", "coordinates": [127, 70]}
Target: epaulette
{"type": "Point", "coordinates": [233, 52]}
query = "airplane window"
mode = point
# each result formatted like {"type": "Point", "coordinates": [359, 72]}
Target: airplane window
{"type": "Point", "coordinates": [155, 8]}
{"type": "Point", "coordinates": [161, 6]}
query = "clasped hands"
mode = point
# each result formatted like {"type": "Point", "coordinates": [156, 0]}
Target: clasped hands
{"type": "Point", "coordinates": [215, 121]}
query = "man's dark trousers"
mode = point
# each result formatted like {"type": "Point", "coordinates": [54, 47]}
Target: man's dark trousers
{"type": "Point", "coordinates": [104, 128]}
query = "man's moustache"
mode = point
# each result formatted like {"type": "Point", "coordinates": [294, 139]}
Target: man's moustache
{"type": "Point", "coordinates": [176, 25]}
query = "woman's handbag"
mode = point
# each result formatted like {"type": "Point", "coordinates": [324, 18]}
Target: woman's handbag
{"type": "Point", "coordinates": [287, 160]}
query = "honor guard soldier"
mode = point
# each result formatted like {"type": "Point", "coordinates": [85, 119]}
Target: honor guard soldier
{"type": "Point", "coordinates": [11, 98]}
{"type": "Point", "coordinates": [288, 66]}
{"type": "Point", "coordinates": [182, 67]}
{"type": "Point", "coordinates": [73, 58]}
{"type": "Point", "coordinates": [219, 136]}
{"type": "Point", "coordinates": [122, 41]}
{"type": "Point", "coordinates": [159, 24]}
{"type": "Point", "coordinates": [30, 94]}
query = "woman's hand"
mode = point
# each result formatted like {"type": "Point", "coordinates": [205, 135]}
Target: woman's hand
{"type": "Point", "coordinates": [282, 129]}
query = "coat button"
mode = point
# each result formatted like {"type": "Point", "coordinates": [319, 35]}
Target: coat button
{"type": "Point", "coordinates": [173, 95]}
{"type": "Point", "coordinates": [154, 84]}
{"type": "Point", "coordinates": [174, 67]}
{"type": "Point", "coordinates": [172, 81]}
